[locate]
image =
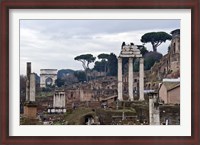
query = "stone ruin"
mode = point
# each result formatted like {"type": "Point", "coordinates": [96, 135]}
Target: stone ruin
{"type": "Point", "coordinates": [105, 90]}
{"type": "Point", "coordinates": [30, 107]}
{"type": "Point", "coordinates": [92, 93]}
{"type": "Point", "coordinates": [154, 111]}
{"type": "Point", "coordinates": [58, 102]}
{"type": "Point", "coordinates": [130, 51]}
{"type": "Point", "coordinates": [47, 77]}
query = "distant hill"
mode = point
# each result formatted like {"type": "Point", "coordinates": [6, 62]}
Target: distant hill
{"type": "Point", "coordinates": [37, 79]}
{"type": "Point", "coordinates": [63, 72]}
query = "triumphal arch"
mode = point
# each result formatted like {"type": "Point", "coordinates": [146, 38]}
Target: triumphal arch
{"type": "Point", "coordinates": [130, 51]}
{"type": "Point", "coordinates": [47, 77]}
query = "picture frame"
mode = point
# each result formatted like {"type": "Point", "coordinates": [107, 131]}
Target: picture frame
{"type": "Point", "coordinates": [103, 4]}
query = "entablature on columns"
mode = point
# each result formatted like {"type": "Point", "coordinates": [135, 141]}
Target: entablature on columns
{"type": "Point", "coordinates": [130, 51]}
{"type": "Point", "coordinates": [132, 55]}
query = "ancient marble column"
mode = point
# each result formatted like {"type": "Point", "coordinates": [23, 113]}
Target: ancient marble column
{"type": "Point", "coordinates": [154, 113]}
{"type": "Point", "coordinates": [130, 79]}
{"type": "Point", "coordinates": [63, 94]}
{"type": "Point", "coordinates": [32, 87]}
{"type": "Point", "coordinates": [60, 100]}
{"type": "Point", "coordinates": [28, 72]}
{"type": "Point", "coordinates": [27, 89]}
{"type": "Point", "coordinates": [141, 79]}
{"type": "Point", "coordinates": [120, 79]}
{"type": "Point", "coordinates": [54, 100]}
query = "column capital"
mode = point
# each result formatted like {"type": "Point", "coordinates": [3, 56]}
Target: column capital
{"type": "Point", "coordinates": [119, 59]}
{"type": "Point", "coordinates": [141, 60]}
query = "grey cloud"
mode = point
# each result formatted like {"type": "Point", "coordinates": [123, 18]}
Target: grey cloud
{"type": "Point", "coordinates": [55, 43]}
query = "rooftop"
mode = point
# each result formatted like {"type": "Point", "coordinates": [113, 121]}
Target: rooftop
{"type": "Point", "coordinates": [170, 85]}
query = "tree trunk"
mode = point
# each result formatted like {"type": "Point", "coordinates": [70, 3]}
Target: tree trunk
{"type": "Point", "coordinates": [86, 74]}
{"type": "Point", "coordinates": [154, 48]}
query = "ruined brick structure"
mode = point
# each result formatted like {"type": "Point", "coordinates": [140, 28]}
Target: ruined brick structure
{"type": "Point", "coordinates": [169, 92]}
{"type": "Point", "coordinates": [168, 66]}
{"type": "Point", "coordinates": [93, 91]}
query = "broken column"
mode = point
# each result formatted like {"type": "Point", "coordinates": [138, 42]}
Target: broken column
{"type": "Point", "coordinates": [120, 98]}
{"type": "Point", "coordinates": [28, 73]}
{"type": "Point", "coordinates": [30, 107]}
{"type": "Point", "coordinates": [130, 79]}
{"type": "Point", "coordinates": [59, 99]}
{"type": "Point", "coordinates": [154, 112]}
{"type": "Point", "coordinates": [32, 87]}
{"type": "Point", "coordinates": [141, 82]}
{"type": "Point", "coordinates": [58, 102]}
{"type": "Point", "coordinates": [30, 84]}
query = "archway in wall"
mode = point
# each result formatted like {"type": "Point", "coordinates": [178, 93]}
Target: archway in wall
{"type": "Point", "coordinates": [49, 82]}
{"type": "Point", "coordinates": [47, 77]}
{"type": "Point", "coordinates": [89, 119]}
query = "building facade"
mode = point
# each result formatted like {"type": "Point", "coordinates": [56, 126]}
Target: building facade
{"type": "Point", "coordinates": [169, 92]}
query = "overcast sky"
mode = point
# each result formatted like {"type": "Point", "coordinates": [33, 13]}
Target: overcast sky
{"type": "Point", "coordinates": [53, 44]}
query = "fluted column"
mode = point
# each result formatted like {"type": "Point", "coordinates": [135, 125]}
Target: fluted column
{"type": "Point", "coordinates": [130, 78]}
{"type": "Point", "coordinates": [141, 82]}
{"type": "Point", "coordinates": [120, 98]}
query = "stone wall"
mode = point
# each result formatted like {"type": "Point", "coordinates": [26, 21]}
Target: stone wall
{"type": "Point", "coordinates": [174, 95]}
{"type": "Point", "coordinates": [170, 93]}
{"type": "Point", "coordinates": [168, 66]}
{"type": "Point", "coordinates": [93, 90]}
{"type": "Point", "coordinates": [72, 95]}
{"type": "Point", "coordinates": [86, 95]}
{"type": "Point", "coordinates": [163, 94]}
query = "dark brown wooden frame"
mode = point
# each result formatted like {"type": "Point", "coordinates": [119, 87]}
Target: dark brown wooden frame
{"type": "Point", "coordinates": [100, 4]}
